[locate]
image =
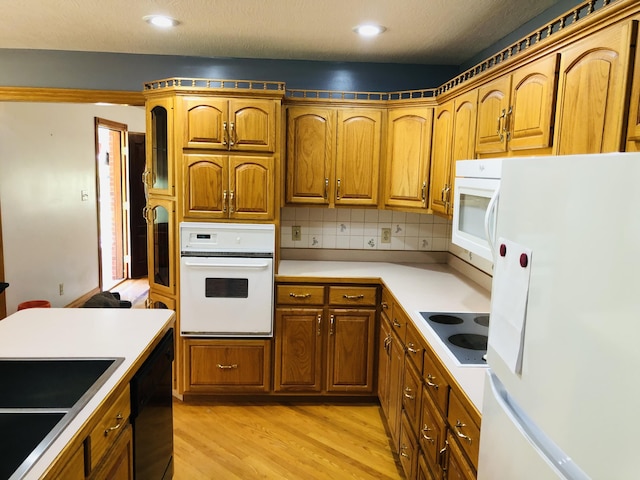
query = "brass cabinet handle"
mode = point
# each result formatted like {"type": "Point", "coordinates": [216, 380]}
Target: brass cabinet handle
{"type": "Point", "coordinates": [228, 367]}
{"type": "Point", "coordinates": [319, 332]}
{"type": "Point", "coordinates": [353, 297]}
{"type": "Point", "coordinates": [507, 123]}
{"type": "Point", "coordinates": [338, 190]}
{"type": "Point", "coordinates": [407, 394]}
{"type": "Point", "coordinates": [424, 193]}
{"type": "Point", "coordinates": [429, 380]}
{"type": "Point", "coordinates": [332, 321]}
{"type": "Point", "coordinates": [384, 305]}
{"type": "Point", "coordinates": [225, 134]}
{"type": "Point", "coordinates": [119, 418]}
{"type": "Point", "coordinates": [326, 188]}
{"type": "Point", "coordinates": [387, 341]}
{"type": "Point", "coordinates": [231, 202]}
{"type": "Point", "coordinates": [224, 201]}
{"type": "Point", "coordinates": [299, 295]}
{"type": "Point", "coordinates": [426, 429]}
{"type": "Point", "coordinates": [411, 349]}
{"type": "Point", "coordinates": [402, 453]}
{"type": "Point", "coordinates": [232, 134]}
{"type": "Point", "coordinates": [396, 323]}
{"type": "Point", "coordinates": [459, 425]}
{"type": "Point", "coordinates": [500, 122]}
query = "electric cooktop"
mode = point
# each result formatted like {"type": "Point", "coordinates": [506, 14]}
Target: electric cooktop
{"type": "Point", "coordinates": [464, 334]}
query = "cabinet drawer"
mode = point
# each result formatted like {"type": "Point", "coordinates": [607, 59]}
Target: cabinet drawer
{"type": "Point", "coordinates": [300, 294]}
{"type": "Point", "coordinates": [464, 428]}
{"type": "Point", "coordinates": [386, 304]}
{"type": "Point", "coordinates": [408, 449]}
{"type": "Point", "coordinates": [348, 296]}
{"type": "Point", "coordinates": [435, 381]}
{"type": "Point", "coordinates": [411, 394]}
{"type": "Point", "coordinates": [414, 347]}
{"type": "Point", "coordinates": [228, 365]}
{"type": "Point", "coordinates": [432, 432]}
{"type": "Point", "coordinates": [108, 428]}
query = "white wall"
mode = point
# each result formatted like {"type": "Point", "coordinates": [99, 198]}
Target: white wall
{"type": "Point", "coordinates": [47, 157]}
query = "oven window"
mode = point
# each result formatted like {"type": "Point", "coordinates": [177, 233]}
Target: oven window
{"type": "Point", "coordinates": [226, 288]}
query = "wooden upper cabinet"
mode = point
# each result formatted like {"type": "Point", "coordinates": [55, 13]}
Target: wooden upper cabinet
{"type": "Point", "coordinates": [358, 160]}
{"type": "Point", "coordinates": [310, 154]}
{"type": "Point", "coordinates": [224, 124]}
{"type": "Point", "coordinates": [408, 152]}
{"type": "Point", "coordinates": [228, 186]}
{"type": "Point", "coordinates": [251, 187]}
{"type": "Point", "coordinates": [333, 155]}
{"type": "Point", "coordinates": [159, 170]}
{"type": "Point", "coordinates": [453, 139]}
{"type": "Point", "coordinates": [592, 94]}
{"type": "Point", "coordinates": [515, 112]}
{"type": "Point", "coordinates": [440, 179]}
{"type": "Point", "coordinates": [633, 132]}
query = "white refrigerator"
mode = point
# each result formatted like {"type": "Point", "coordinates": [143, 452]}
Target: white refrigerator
{"type": "Point", "coordinates": [562, 394]}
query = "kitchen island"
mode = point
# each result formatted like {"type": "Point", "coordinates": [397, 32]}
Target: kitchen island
{"type": "Point", "coordinates": [126, 334]}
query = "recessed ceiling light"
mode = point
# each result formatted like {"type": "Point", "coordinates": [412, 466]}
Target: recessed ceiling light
{"type": "Point", "coordinates": [161, 21]}
{"type": "Point", "coordinates": [369, 30]}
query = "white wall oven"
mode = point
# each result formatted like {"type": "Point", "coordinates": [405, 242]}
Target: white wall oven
{"type": "Point", "coordinates": [477, 188]}
{"type": "Point", "coordinates": [226, 279]}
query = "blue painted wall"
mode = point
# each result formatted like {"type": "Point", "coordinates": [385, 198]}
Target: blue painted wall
{"type": "Point", "coordinates": [113, 71]}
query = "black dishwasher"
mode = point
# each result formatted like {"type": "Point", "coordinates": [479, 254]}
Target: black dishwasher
{"type": "Point", "coordinates": [152, 414]}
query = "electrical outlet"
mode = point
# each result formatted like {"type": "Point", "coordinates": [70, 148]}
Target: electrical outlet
{"type": "Point", "coordinates": [61, 288]}
{"type": "Point", "coordinates": [385, 236]}
{"type": "Point", "coordinates": [296, 233]}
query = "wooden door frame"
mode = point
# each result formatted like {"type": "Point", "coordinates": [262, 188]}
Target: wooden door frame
{"type": "Point", "coordinates": [123, 211]}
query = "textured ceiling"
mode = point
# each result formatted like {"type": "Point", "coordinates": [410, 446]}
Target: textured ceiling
{"type": "Point", "coordinates": [418, 31]}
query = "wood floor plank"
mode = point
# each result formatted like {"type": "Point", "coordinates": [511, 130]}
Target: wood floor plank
{"type": "Point", "coordinates": [281, 441]}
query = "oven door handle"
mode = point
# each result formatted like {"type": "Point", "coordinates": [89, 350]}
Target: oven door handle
{"type": "Point", "coordinates": [227, 265]}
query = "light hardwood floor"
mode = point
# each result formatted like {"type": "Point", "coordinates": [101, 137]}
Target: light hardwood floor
{"type": "Point", "coordinates": [281, 441]}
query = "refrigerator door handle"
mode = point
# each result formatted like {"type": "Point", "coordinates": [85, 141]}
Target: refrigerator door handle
{"type": "Point", "coordinates": [490, 218]}
{"type": "Point", "coordinates": [546, 447]}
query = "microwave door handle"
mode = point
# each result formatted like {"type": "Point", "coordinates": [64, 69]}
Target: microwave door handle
{"type": "Point", "coordinates": [490, 218]}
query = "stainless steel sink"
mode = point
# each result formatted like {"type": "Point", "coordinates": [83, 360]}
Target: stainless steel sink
{"type": "Point", "coordinates": [38, 399]}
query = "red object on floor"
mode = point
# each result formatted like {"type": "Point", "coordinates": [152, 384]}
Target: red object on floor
{"type": "Point", "coordinates": [34, 304]}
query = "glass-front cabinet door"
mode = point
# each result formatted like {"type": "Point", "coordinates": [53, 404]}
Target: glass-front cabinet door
{"type": "Point", "coordinates": [158, 176]}
{"type": "Point", "coordinates": [160, 216]}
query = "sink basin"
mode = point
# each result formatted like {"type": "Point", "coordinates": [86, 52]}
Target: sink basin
{"type": "Point", "coordinates": [38, 399]}
{"type": "Point", "coordinates": [26, 432]}
{"type": "Point", "coordinates": [48, 383]}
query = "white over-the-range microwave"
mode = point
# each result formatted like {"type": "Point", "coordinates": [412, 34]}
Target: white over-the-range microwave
{"type": "Point", "coordinates": [476, 192]}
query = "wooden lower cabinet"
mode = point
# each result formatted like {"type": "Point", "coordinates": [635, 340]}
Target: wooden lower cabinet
{"type": "Point", "coordinates": [227, 366]}
{"type": "Point", "coordinates": [118, 464]}
{"type": "Point", "coordinates": [326, 348]}
{"type": "Point", "coordinates": [432, 435]}
{"type": "Point", "coordinates": [408, 449]}
{"type": "Point", "coordinates": [457, 466]}
{"type": "Point", "coordinates": [423, 471]}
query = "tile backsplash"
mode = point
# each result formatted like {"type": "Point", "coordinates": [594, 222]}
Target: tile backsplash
{"type": "Point", "coordinates": [360, 229]}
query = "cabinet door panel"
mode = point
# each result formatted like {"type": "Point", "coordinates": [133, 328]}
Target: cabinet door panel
{"type": "Point", "coordinates": [252, 125]}
{"type": "Point", "coordinates": [160, 245]}
{"type": "Point", "coordinates": [310, 155]}
{"type": "Point", "coordinates": [298, 361]}
{"type": "Point", "coordinates": [408, 153]}
{"type": "Point", "coordinates": [493, 105]}
{"type": "Point", "coordinates": [251, 187]}
{"type": "Point", "coordinates": [204, 123]}
{"type": "Point", "coordinates": [350, 352]}
{"type": "Point", "coordinates": [205, 181]}
{"type": "Point", "coordinates": [441, 158]}
{"type": "Point", "coordinates": [358, 158]}
{"type": "Point", "coordinates": [160, 164]}
{"type": "Point", "coordinates": [592, 92]}
{"type": "Point", "coordinates": [533, 101]}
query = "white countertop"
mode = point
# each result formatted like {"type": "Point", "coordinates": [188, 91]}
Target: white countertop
{"type": "Point", "coordinates": [418, 288]}
{"type": "Point", "coordinates": [81, 332]}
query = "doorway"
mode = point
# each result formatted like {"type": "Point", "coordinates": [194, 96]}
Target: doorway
{"type": "Point", "coordinates": [120, 159]}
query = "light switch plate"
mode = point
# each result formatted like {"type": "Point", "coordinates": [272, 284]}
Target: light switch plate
{"type": "Point", "coordinates": [296, 233]}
